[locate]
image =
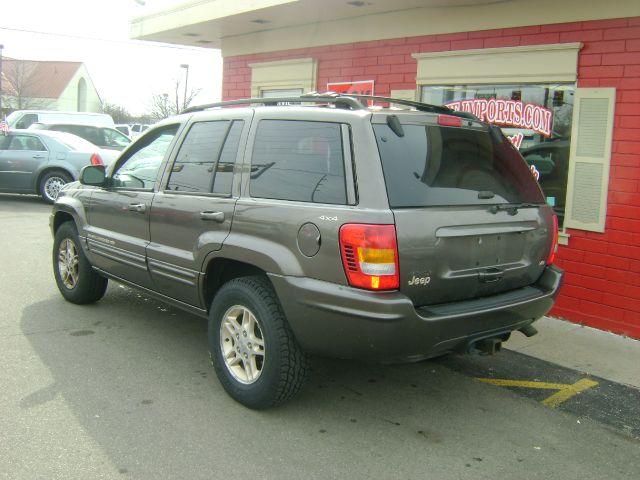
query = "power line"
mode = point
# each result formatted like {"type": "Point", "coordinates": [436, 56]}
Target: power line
{"type": "Point", "coordinates": [144, 43]}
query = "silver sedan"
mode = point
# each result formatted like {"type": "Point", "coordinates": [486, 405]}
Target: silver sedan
{"type": "Point", "coordinates": [33, 161]}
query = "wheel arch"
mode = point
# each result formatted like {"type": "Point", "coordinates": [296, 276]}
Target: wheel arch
{"type": "Point", "coordinates": [48, 169]}
{"type": "Point", "coordinates": [220, 270]}
{"type": "Point", "coordinates": [68, 208]}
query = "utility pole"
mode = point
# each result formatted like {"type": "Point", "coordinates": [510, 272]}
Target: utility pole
{"type": "Point", "coordinates": [186, 81]}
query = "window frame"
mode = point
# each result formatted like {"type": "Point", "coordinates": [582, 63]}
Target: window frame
{"type": "Point", "coordinates": [132, 151]}
{"type": "Point", "coordinates": [351, 198]}
{"type": "Point", "coordinates": [172, 163]}
{"type": "Point", "coordinates": [225, 115]}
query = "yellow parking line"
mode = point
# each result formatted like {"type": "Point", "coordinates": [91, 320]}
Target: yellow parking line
{"type": "Point", "coordinates": [523, 384]}
{"type": "Point", "coordinates": [569, 391]}
{"type": "Point", "coordinates": [564, 393]}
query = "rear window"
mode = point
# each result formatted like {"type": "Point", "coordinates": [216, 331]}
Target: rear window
{"type": "Point", "coordinates": [435, 166]}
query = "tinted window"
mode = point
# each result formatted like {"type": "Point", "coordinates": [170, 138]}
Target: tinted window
{"type": "Point", "coordinates": [26, 120]}
{"type": "Point", "coordinates": [140, 169]}
{"type": "Point", "coordinates": [90, 134]}
{"type": "Point", "coordinates": [224, 170]}
{"type": "Point", "coordinates": [295, 160]}
{"type": "Point", "coordinates": [193, 170]}
{"type": "Point", "coordinates": [450, 166]}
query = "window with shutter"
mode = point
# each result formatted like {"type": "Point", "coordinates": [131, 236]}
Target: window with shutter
{"type": "Point", "coordinates": [294, 74]}
{"type": "Point", "coordinates": [589, 160]}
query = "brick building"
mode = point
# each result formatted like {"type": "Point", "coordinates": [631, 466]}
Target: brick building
{"type": "Point", "coordinates": [573, 65]}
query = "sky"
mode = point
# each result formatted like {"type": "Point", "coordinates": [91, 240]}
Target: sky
{"type": "Point", "coordinates": [125, 72]}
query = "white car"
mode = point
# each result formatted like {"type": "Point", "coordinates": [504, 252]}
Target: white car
{"type": "Point", "coordinates": [22, 119]}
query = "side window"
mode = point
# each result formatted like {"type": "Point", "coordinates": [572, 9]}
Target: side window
{"type": "Point", "coordinates": [141, 167]}
{"type": "Point", "coordinates": [113, 138]}
{"type": "Point", "coordinates": [26, 142]}
{"type": "Point", "coordinates": [193, 169]}
{"type": "Point", "coordinates": [26, 120]}
{"type": "Point", "coordinates": [224, 170]}
{"type": "Point", "coordinates": [298, 160]}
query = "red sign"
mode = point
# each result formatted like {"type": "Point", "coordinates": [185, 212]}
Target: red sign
{"type": "Point", "coordinates": [362, 87]}
{"type": "Point", "coordinates": [510, 113]}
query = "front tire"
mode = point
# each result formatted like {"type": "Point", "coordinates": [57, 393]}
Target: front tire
{"type": "Point", "coordinates": [76, 280]}
{"type": "Point", "coordinates": [51, 183]}
{"type": "Point", "coordinates": [253, 350]}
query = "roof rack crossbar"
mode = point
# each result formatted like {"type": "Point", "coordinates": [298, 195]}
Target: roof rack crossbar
{"type": "Point", "coordinates": [338, 100]}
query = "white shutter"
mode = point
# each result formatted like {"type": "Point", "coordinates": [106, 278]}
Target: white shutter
{"type": "Point", "coordinates": [588, 182]}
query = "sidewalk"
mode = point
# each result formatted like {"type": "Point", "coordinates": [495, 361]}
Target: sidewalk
{"type": "Point", "coordinates": [586, 349]}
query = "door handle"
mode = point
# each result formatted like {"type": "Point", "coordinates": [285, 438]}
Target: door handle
{"type": "Point", "coordinates": [38, 155]}
{"type": "Point", "coordinates": [137, 207]}
{"type": "Point", "coordinates": [215, 216]}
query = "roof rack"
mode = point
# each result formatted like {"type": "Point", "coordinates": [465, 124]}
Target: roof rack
{"type": "Point", "coordinates": [339, 101]}
{"type": "Point", "coordinates": [422, 107]}
{"type": "Point", "coordinates": [347, 101]}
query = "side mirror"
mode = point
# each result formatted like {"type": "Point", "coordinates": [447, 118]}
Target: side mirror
{"type": "Point", "coordinates": [93, 175]}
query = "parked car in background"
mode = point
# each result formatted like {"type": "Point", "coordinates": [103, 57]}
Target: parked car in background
{"type": "Point", "coordinates": [551, 159]}
{"type": "Point", "coordinates": [103, 137]}
{"type": "Point", "coordinates": [39, 161]}
{"type": "Point", "coordinates": [25, 118]}
{"type": "Point", "coordinates": [125, 129]}
{"type": "Point", "coordinates": [137, 129]}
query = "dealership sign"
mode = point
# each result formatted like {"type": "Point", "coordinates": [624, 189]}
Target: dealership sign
{"type": "Point", "coordinates": [363, 87]}
{"type": "Point", "coordinates": [508, 113]}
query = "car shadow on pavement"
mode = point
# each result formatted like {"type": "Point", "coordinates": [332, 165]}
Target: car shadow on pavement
{"type": "Point", "coordinates": [136, 376]}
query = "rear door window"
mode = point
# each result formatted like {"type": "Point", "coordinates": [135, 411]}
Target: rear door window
{"type": "Point", "coordinates": [206, 158]}
{"type": "Point", "coordinates": [298, 160]}
{"type": "Point", "coordinates": [436, 166]}
{"type": "Point", "coordinates": [26, 142]}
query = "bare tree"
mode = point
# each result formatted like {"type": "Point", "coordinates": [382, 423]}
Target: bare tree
{"type": "Point", "coordinates": [21, 85]}
{"type": "Point", "coordinates": [117, 112]}
{"type": "Point", "coordinates": [163, 105]}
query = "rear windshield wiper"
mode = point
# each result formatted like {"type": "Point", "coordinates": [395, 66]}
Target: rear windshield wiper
{"type": "Point", "coordinates": [511, 208]}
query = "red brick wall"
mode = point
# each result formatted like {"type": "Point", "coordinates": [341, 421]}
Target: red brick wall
{"type": "Point", "coordinates": [602, 283]}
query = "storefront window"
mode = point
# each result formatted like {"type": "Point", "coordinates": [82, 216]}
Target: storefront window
{"type": "Point", "coordinates": [536, 118]}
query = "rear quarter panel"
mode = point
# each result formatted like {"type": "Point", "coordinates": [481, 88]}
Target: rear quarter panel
{"type": "Point", "coordinates": [265, 231]}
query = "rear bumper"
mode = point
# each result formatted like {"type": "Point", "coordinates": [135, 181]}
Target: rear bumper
{"type": "Point", "coordinates": [339, 321]}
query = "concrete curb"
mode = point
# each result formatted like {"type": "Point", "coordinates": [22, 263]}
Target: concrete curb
{"type": "Point", "coordinates": [586, 349]}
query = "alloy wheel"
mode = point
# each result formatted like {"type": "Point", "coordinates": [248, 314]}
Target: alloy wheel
{"type": "Point", "coordinates": [242, 344]}
{"type": "Point", "coordinates": [68, 263]}
{"type": "Point", "coordinates": [52, 187]}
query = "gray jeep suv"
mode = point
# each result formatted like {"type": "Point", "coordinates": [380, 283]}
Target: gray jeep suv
{"type": "Point", "coordinates": [324, 227]}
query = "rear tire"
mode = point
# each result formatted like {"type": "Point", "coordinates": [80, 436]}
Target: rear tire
{"type": "Point", "coordinates": [51, 183]}
{"type": "Point", "coordinates": [76, 280]}
{"type": "Point", "coordinates": [279, 368]}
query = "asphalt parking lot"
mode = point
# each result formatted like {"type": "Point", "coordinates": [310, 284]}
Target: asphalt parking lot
{"type": "Point", "coordinates": [123, 389]}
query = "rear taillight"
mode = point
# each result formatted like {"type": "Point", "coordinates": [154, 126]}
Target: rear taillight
{"type": "Point", "coordinates": [554, 242]}
{"type": "Point", "coordinates": [370, 256]}
{"type": "Point", "coordinates": [449, 121]}
{"type": "Point", "coordinates": [96, 160]}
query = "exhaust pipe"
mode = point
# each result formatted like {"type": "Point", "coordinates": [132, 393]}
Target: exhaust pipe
{"type": "Point", "coordinates": [529, 330]}
{"type": "Point", "coordinates": [488, 346]}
